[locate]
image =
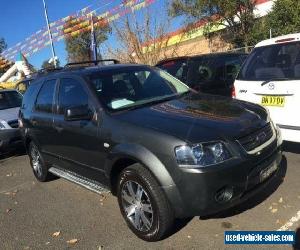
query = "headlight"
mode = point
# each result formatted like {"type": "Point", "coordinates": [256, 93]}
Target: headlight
{"type": "Point", "coordinates": [202, 155]}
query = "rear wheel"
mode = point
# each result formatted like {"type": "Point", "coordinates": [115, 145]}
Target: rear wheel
{"type": "Point", "coordinates": [143, 204]}
{"type": "Point", "coordinates": [38, 165]}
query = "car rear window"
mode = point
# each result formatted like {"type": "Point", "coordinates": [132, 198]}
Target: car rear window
{"type": "Point", "coordinates": [216, 68]}
{"type": "Point", "coordinates": [279, 61]}
{"type": "Point", "coordinates": [177, 68]}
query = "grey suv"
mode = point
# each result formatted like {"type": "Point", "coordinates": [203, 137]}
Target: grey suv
{"type": "Point", "coordinates": [163, 149]}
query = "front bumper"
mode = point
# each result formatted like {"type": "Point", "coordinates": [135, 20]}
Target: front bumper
{"type": "Point", "coordinates": [9, 139]}
{"type": "Point", "coordinates": [199, 189]}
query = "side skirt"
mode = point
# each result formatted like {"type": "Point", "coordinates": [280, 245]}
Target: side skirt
{"type": "Point", "coordinates": [80, 180]}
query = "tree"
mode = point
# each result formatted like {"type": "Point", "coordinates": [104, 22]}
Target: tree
{"type": "Point", "coordinates": [3, 45]}
{"type": "Point", "coordinates": [78, 43]}
{"type": "Point", "coordinates": [284, 17]}
{"type": "Point", "coordinates": [143, 37]}
{"type": "Point", "coordinates": [46, 65]}
{"type": "Point", "coordinates": [237, 16]}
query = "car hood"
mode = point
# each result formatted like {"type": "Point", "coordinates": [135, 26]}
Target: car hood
{"type": "Point", "coordinates": [197, 117]}
{"type": "Point", "coordinates": [9, 114]}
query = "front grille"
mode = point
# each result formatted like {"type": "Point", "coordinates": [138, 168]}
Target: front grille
{"type": "Point", "coordinates": [257, 138]}
{"type": "Point", "coordinates": [13, 123]}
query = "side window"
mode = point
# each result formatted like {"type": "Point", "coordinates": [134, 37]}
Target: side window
{"type": "Point", "coordinates": [232, 67]}
{"type": "Point", "coordinates": [71, 94]}
{"type": "Point", "coordinates": [44, 101]}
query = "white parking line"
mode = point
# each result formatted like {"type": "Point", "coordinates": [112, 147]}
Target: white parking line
{"type": "Point", "coordinates": [291, 222]}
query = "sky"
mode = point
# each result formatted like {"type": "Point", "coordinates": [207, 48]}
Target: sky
{"type": "Point", "coordinates": [21, 18]}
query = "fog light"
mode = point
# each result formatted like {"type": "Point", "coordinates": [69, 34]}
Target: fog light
{"type": "Point", "coordinates": [224, 195]}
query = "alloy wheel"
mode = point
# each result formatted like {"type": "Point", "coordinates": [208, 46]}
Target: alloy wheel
{"type": "Point", "coordinates": [36, 161]}
{"type": "Point", "coordinates": [137, 206]}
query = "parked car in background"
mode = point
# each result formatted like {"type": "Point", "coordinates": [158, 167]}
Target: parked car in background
{"type": "Point", "coordinates": [165, 150]}
{"type": "Point", "coordinates": [211, 73]}
{"type": "Point", "coordinates": [10, 102]}
{"type": "Point", "coordinates": [23, 85]}
{"type": "Point", "coordinates": [271, 77]}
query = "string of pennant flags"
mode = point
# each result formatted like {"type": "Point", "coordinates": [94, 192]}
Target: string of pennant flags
{"type": "Point", "coordinates": [80, 23]}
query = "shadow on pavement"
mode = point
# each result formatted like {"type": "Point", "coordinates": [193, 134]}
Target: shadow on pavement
{"type": "Point", "coordinates": [258, 198]}
{"type": "Point", "coordinates": [296, 246]}
{"type": "Point", "coordinates": [178, 225]}
{"type": "Point", "coordinates": [291, 147]}
{"type": "Point", "coordinates": [17, 152]}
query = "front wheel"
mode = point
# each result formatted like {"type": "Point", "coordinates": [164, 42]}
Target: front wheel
{"type": "Point", "coordinates": [143, 204]}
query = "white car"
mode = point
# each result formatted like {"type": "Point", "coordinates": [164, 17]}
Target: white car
{"type": "Point", "coordinates": [270, 76]}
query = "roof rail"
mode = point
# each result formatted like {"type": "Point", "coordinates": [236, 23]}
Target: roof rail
{"type": "Point", "coordinates": [47, 70]}
{"type": "Point", "coordinates": [96, 62]}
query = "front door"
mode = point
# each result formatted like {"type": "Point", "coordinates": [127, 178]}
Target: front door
{"type": "Point", "coordinates": [78, 142]}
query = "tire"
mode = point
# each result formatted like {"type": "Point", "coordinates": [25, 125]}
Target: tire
{"type": "Point", "coordinates": [37, 163]}
{"type": "Point", "coordinates": [149, 216]}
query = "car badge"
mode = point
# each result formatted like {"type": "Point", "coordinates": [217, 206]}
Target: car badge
{"type": "Point", "coordinates": [271, 86]}
{"type": "Point", "coordinates": [261, 137]}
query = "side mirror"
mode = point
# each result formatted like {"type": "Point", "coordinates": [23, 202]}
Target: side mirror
{"type": "Point", "coordinates": [78, 113]}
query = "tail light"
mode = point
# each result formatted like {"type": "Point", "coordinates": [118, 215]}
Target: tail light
{"type": "Point", "coordinates": [233, 95]}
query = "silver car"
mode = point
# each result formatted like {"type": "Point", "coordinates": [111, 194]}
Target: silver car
{"type": "Point", "coordinates": [10, 102]}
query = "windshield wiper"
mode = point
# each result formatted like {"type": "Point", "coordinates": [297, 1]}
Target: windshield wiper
{"type": "Point", "coordinates": [274, 79]}
{"type": "Point", "coordinates": [153, 101]}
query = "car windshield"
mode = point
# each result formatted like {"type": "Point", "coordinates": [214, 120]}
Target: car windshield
{"type": "Point", "coordinates": [10, 99]}
{"type": "Point", "coordinates": [279, 61]}
{"type": "Point", "coordinates": [135, 86]}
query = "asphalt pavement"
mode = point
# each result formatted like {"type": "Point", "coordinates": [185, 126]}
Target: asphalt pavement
{"type": "Point", "coordinates": [61, 215]}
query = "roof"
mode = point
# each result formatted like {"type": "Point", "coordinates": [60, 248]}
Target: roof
{"type": "Point", "coordinates": [80, 70]}
{"type": "Point", "coordinates": [280, 39]}
{"type": "Point", "coordinates": [203, 55]}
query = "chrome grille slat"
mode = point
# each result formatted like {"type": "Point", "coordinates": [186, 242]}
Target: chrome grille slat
{"type": "Point", "coordinates": [256, 139]}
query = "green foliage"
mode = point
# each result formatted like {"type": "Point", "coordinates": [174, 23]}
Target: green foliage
{"type": "Point", "coordinates": [3, 45]}
{"type": "Point", "coordinates": [47, 65]}
{"type": "Point", "coordinates": [284, 18]}
{"type": "Point", "coordinates": [79, 46]}
{"type": "Point", "coordinates": [236, 15]}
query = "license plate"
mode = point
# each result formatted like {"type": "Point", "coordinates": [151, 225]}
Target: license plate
{"type": "Point", "coordinates": [277, 101]}
{"type": "Point", "coordinates": [265, 173]}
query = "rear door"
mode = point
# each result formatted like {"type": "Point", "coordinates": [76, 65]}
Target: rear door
{"type": "Point", "coordinates": [41, 120]}
{"type": "Point", "coordinates": [271, 77]}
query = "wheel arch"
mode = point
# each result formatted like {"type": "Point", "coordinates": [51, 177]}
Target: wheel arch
{"type": "Point", "coordinates": [124, 155]}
